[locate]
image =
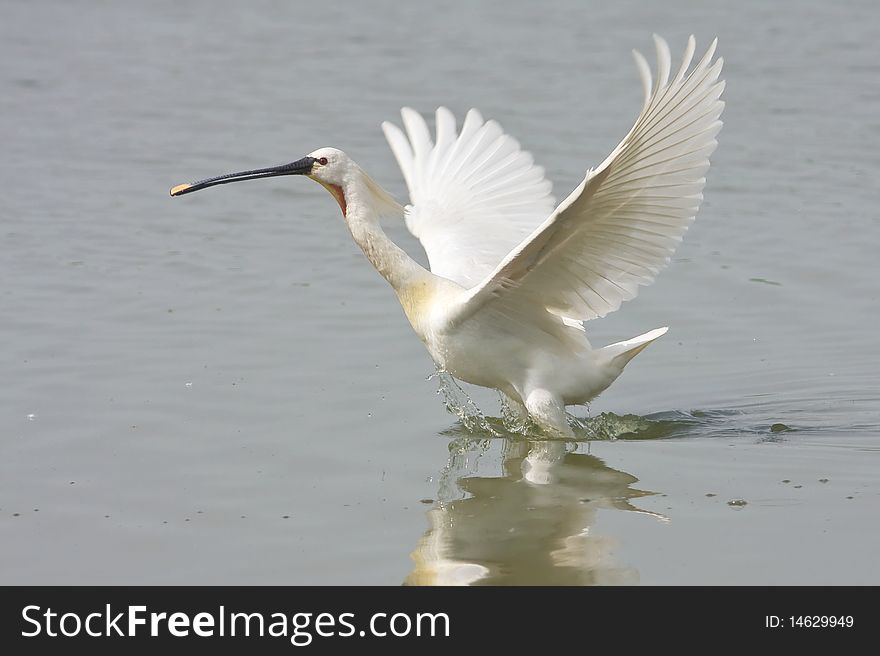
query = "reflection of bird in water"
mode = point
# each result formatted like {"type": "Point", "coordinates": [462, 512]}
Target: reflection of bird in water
{"type": "Point", "coordinates": [512, 279]}
{"type": "Point", "coordinates": [531, 525]}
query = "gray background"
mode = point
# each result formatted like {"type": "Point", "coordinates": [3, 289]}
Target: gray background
{"type": "Point", "coordinates": [219, 389]}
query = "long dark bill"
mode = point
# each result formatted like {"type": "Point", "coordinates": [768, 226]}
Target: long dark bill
{"type": "Point", "coordinates": [299, 167]}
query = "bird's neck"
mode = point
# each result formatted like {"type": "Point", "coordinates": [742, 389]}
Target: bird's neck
{"type": "Point", "coordinates": [363, 202]}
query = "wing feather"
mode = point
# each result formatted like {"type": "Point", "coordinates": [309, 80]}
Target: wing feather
{"type": "Point", "coordinates": [618, 229]}
{"type": "Point", "coordinates": [474, 195]}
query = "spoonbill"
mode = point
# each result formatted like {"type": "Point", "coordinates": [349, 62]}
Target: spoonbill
{"type": "Point", "coordinates": [512, 280]}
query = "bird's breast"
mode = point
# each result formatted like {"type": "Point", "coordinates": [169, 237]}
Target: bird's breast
{"type": "Point", "coordinates": [417, 302]}
{"type": "Point", "coordinates": [427, 304]}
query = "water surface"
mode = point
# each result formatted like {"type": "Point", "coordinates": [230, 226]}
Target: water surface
{"type": "Point", "coordinates": [219, 389]}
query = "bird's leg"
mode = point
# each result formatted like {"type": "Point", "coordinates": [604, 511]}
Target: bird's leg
{"type": "Point", "coordinates": [548, 411]}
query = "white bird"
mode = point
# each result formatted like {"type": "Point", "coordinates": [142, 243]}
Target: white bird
{"type": "Point", "coordinates": [512, 279]}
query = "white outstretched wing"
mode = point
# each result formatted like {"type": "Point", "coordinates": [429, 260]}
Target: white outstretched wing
{"type": "Point", "coordinates": [618, 229]}
{"type": "Point", "coordinates": [475, 195]}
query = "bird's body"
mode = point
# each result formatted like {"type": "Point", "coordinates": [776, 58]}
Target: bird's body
{"type": "Point", "coordinates": [512, 280]}
{"type": "Point", "coordinates": [522, 357]}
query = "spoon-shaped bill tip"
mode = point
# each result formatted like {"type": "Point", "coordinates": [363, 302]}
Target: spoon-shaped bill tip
{"type": "Point", "coordinates": [179, 189]}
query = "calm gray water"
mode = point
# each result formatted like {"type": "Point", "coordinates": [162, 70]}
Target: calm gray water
{"type": "Point", "coordinates": [219, 388]}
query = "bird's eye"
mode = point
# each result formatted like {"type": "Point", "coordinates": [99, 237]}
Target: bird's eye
{"type": "Point", "coordinates": [322, 161]}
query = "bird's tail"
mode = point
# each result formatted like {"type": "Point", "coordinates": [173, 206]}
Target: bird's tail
{"type": "Point", "coordinates": [620, 353]}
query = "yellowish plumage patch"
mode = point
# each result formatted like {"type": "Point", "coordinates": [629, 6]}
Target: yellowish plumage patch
{"type": "Point", "coordinates": [416, 301]}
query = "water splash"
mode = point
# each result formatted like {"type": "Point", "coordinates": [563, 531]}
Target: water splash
{"type": "Point", "coordinates": [512, 420]}
{"type": "Point", "coordinates": [458, 403]}
{"type": "Point", "coordinates": [611, 426]}
{"type": "Point", "coordinates": [475, 425]}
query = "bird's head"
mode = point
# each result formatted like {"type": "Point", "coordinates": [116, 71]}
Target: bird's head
{"type": "Point", "coordinates": [330, 167]}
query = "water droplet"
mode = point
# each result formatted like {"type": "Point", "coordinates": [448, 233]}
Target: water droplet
{"type": "Point", "coordinates": [710, 494]}
{"type": "Point", "coordinates": [823, 480]}
{"type": "Point", "coordinates": [458, 403]}
{"type": "Point", "coordinates": [31, 416]}
{"type": "Point", "coordinates": [188, 383]}
{"type": "Point", "coordinates": [426, 501]}
{"type": "Point", "coordinates": [369, 414]}
{"type": "Point", "coordinates": [737, 503]}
